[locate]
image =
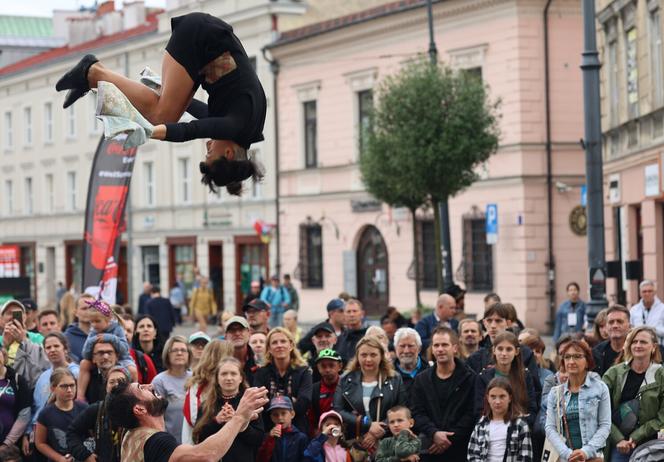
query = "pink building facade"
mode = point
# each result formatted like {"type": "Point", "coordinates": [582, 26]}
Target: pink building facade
{"type": "Point", "coordinates": [335, 237]}
{"type": "Point", "coordinates": [632, 89]}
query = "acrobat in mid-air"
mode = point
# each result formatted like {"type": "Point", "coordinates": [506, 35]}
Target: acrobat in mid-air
{"type": "Point", "coordinates": [202, 50]}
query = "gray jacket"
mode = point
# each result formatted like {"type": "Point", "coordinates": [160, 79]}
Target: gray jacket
{"type": "Point", "coordinates": [30, 362]}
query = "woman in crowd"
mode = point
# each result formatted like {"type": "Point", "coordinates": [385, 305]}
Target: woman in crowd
{"type": "Point", "coordinates": [286, 373]}
{"type": "Point", "coordinates": [67, 309]}
{"type": "Point", "coordinates": [571, 315]}
{"type": "Point", "coordinates": [170, 383]}
{"type": "Point", "coordinates": [203, 304]}
{"type": "Point", "coordinates": [145, 368]}
{"type": "Point", "coordinates": [202, 375]}
{"type": "Point", "coordinates": [94, 423]}
{"type": "Point", "coordinates": [507, 363]}
{"type": "Point", "coordinates": [290, 323]}
{"type": "Point", "coordinates": [531, 338]}
{"type": "Point", "coordinates": [56, 348]}
{"type": "Point", "coordinates": [578, 417]}
{"type": "Point", "coordinates": [369, 389]}
{"type": "Point", "coordinates": [147, 340]}
{"type": "Point", "coordinates": [15, 402]}
{"type": "Point", "coordinates": [55, 418]}
{"type": "Point", "coordinates": [636, 385]}
{"type": "Point", "coordinates": [220, 400]}
{"type": "Point", "coordinates": [600, 330]}
{"type": "Point", "coordinates": [550, 382]}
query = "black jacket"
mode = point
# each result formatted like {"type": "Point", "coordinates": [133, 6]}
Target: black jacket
{"type": "Point", "coordinates": [349, 404]}
{"type": "Point", "coordinates": [482, 382]}
{"type": "Point", "coordinates": [347, 341]}
{"type": "Point", "coordinates": [245, 445]}
{"type": "Point", "coordinates": [297, 385]}
{"type": "Point", "coordinates": [479, 360]}
{"type": "Point", "coordinates": [22, 391]}
{"type": "Point", "coordinates": [451, 415]}
{"type": "Point", "coordinates": [93, 421]}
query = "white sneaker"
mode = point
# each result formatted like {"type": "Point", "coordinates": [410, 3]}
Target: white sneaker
{"type": "Point", "coordinates": [151, 79]}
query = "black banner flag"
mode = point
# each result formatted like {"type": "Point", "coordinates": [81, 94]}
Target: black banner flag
{"type": "Point", "coordinates": [108, 191]}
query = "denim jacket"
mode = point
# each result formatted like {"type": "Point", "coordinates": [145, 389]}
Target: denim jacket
{"type": "Point", "coordinates": [594, 416]}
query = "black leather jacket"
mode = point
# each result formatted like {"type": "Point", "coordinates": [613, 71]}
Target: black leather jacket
{"type": "Point", "coordinates": [348, 401]}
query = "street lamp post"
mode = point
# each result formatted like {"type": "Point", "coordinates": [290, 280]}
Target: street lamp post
{"type": "Point", "coordinates": [445, 244]}
{"type": "Point", "coordinates": [594, 175]}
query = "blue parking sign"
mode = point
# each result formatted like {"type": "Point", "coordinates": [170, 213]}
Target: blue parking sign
{"type": "Point", "coordinates": [491, 223]}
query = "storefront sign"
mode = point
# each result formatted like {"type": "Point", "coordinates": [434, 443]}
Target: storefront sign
{"type": "Point", "coordinates": [651, 180]}
{"type": "Point", "coordinates": [368, 205]}
{"type": "Point", "coordinates": [10, 258]}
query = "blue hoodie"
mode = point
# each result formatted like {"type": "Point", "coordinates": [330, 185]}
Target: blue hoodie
{"type": "Point", "coordinates": [76, 338]}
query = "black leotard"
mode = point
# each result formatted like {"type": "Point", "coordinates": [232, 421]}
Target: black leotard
{"type": "Point", "coordinates": [236, 104]}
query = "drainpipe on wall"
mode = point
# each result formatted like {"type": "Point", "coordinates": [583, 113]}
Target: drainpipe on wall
{"type": "Point", "coordinates": [551, 264]}
{"type": "Point", "coordinates": [274, 67]}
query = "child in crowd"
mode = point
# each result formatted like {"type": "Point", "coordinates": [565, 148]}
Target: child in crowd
{"type": "Point", "coordinates": [329, 445]}
{"type": "Point", "coordinates": [55, 418]}
{"type": "Point", "coordinates": [284, 443]}
{"type": "Point", "coordinates": [103, 320]}
{"type": "Point", "coordinates": [403, 445]}
{"type": "Point", "coordinates": [501, 434]}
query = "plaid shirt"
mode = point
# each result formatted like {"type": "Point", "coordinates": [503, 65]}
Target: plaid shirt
{"type": "Point", "coordinates": [519, 445]}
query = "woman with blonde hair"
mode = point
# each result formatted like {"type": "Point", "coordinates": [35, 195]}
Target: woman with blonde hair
{"type": "Point", "coordinates": [202, 375]}
{"type": "Point", "coordinates": [369, 388]}
{"type": "Point", "coordinates": [286, 373]}
{"type": "Point", "coordinates": [67, 307]}
{"type": "Point", "coordinates": [219, 402]}
{"type": "Point", "coordinates": [636, 385]}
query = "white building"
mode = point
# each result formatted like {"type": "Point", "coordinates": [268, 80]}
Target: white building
{"type": "Point", "coordinates": [174, 225]}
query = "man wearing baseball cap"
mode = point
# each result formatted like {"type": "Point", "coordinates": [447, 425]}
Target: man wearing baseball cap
{"type": "Point", "coordinates": [323, 338]}
{"type": "Point", "coordinates": [335, 317]}
{"type": "Point", "coordinates": [258, 314]}
{"type": "Point", "coordinates": [328, 366]}
{"type": "Point", "coordinates": [197, 340]}
{"type": "Point", "coordinates": [237, 333]}
{"type": "Point", "coordinates": [24, 348]}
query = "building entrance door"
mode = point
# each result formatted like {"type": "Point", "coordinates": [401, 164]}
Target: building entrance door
{"type": "Point", "coordinates": [372, 271]}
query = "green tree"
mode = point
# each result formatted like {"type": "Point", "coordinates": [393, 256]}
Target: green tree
{"type": "Point", "coordinates": [432, 127]}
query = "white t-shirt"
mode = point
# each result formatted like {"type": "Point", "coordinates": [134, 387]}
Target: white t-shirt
{"type": "Point", "coordinates": [497, 440]}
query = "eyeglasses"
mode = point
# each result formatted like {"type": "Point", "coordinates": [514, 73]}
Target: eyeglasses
{"type": "Point", "coordinates": [67, 386]}
{"type": "Point", "coordinates": [576, 357]}
{"type": "Point", "coordinates": [179, 350]}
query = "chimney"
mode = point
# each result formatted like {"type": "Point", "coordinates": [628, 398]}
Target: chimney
{"type": "Point", "coordinates": [61, 23]}
{"type": "Point", "coordinates": [106, 7]}
{"type": "Point", "coordinates": [133, 14]}
{"type": "Point", "coordinates": [81, 29]}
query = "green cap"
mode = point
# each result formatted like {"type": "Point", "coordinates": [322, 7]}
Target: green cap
{"type": "Point", "coordinates": [329, 353]}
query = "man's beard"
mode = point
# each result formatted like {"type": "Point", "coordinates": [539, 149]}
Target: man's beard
{"type": "Point", "coordinates": [157, 406]}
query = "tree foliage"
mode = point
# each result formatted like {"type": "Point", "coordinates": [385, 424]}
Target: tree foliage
{"type": "Point", "coordinates": [431, 128]}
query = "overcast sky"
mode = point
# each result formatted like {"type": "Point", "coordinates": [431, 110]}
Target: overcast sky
{"type": "Point", "coordinates": [46, 7]}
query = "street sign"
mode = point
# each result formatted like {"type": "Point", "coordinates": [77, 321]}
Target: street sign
{"type": "Point", "coordinates": [491, 224]}
{"type": "Point", "coordinates": [584, 195]}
